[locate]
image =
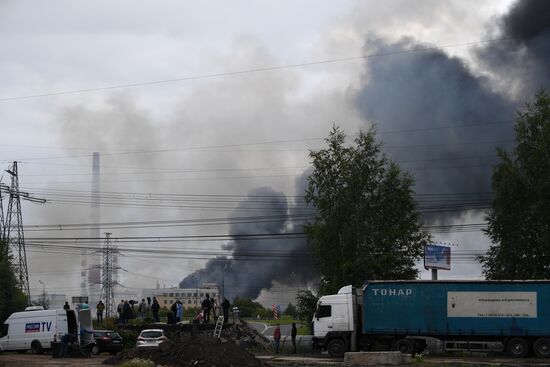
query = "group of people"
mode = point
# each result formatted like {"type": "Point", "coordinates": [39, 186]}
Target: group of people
{"type": "Point", "coordinates": [277, 336]}
{"type": "Point", "coordinates": [151, 308]}
{"type": "Point", "coordinates": [208, 307]}
{"type": "Point", "coordinates": [126, 310]}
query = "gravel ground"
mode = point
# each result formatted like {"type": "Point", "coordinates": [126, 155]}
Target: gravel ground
{"type": "Point", "coordinates": [30, 360]}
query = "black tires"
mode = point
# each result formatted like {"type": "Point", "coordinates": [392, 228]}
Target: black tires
{"type": "Point", "coordinates": [541, 347]}
{"type": "Point", "coordinates": [36, 347]}
{"type": "Point", "coordinates": [405, 346]}
{"type": "Point", "coordinates": [517, 347]}
{"type": "Point", "coordinates": [337, 348]}
{"type": "Point", "coordinates": [95, 350]}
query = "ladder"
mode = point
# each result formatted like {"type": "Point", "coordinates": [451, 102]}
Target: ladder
{"type": "Point", "coordinates": [219, 326]}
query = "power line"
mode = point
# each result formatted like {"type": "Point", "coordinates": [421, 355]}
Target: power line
{"type": "Point", "coordinates": [146, 171]}
{"type": "Point", "coordinates": [251, 71]}
{"type": "Point", "coordinates": [269, 142]}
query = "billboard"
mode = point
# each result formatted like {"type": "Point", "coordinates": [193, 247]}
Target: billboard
{"type": "Point", "coordinates": [437, 257]}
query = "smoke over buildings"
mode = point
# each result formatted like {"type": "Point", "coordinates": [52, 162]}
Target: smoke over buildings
{"type": "Point", "coordinates": [440, 113]}
{"type": "Point", "coordinates": [438, 117]}
{"type": "Point", "coordinates": [256, 263]}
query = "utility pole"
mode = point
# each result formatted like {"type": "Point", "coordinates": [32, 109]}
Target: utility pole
{"type": "Point", "coordinates": [13, 234]}
{"type": "Point", "coordinates": [2, 225]}
{"type": "Point", "coordinates": [107, 269]}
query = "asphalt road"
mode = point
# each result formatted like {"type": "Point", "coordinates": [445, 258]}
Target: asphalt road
{"type": "Point", "coordinates": [267, 330]}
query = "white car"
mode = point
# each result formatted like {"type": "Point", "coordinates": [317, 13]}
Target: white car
{"type": "Point", "coordinates": [150, 338]}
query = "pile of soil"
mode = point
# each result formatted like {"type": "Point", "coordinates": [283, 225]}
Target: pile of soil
{"type": "Point", "coordinates": [241, 333]}
{"type": "Point", "coordinates": [193, 351]}
{"type": "Point", "coordinates": [247, 337]}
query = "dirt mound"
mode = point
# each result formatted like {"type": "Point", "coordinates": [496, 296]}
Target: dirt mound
{"type": "Point", "coordinates": [193, 351]}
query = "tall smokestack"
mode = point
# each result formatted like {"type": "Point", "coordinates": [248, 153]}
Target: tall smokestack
{"type": "Point", "coordinates": [94, 272]}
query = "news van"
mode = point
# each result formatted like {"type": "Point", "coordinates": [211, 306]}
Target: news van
{"type": "Point", "coordinates": [35, 329]}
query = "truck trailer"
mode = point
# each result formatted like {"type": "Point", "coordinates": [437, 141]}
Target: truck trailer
{"type": "Point", "coordinates": [400, 315]}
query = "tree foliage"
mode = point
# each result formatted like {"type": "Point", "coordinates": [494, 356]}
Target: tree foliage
{"type": "Point", "coordinates": [249, 308]}
{"type": "Point", "coordinates": [291, 311]}
{"type": "Point", "coordinates": [367, 225]}
{"type": "Point", "coordinates": [306, 302]}
{"type": "Point", "coordinates": [519, 221]}
{"type": "Point", "coordinates": [11, 298]}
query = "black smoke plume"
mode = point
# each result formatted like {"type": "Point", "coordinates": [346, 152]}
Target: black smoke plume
{"type": "Point", "coordinates": [437, 118]}
{"type": "Point", "coordinates": [521, 62]}
{"type": "Point", "coordinates": [442, 121]}
{"type": "Point", "coordinates": [256, 264]}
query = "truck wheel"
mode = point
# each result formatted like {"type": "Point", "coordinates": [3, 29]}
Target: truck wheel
{"type": "Point", "coordinates": [405, 346]}
{"type": "Point", "coordinates": [95, 350]}
{"type": "Point", "coordinates": [336, 348]}
{"type": "Point", "coordinates": [36, 347]}
{"type": "Point", "coordinates": [517, 347]}
{"type": "Point", "coordinates": [542, 347]}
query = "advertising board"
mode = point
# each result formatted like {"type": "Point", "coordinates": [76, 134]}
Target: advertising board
{"type": "Point", "coordinates": [437, 257]}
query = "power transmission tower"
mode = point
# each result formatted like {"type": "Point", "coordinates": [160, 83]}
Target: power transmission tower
{"type": "Point", "coordinates": [13, 232]}
{"type": "Point", "coordinates": [2, 222]}
{"type": "Point", "coordinates": [107, 269]}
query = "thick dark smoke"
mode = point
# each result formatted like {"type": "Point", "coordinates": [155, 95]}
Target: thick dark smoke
{"type": "Point", "coordinates": [255, 264]}
{"type": "Point", "coordinates": [437, 118]}
{"type": "Point", "coordinates": [418, 95]}
{"type": "Point", "coordinates": [414, 98]}
{"type": "Point", "coordinates": [521, 62]}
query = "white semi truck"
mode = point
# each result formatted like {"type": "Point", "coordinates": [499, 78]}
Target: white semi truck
{"type": "Point", "coordinates": [400, 315]}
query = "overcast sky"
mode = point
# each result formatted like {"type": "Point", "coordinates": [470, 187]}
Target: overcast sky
{"type": "Point", "coordinates": [220, 98]}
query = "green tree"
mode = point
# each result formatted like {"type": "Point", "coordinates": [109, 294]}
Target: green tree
{"type": "Point", "coordinates": [11, 298]}
{"type": "Point", "coordinates": [248, 308]}
{"type": "Point", "coordinates": [290, 310]}
{"type": "Point", "coordinates": [367, 225]}
{"type": "Point", "coordinates": [519, 221]}
{"type": "Point", "coordinates": [306, 303]}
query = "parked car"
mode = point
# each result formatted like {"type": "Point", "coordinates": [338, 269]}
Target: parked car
{"type": "Point", "coordinates": [150, 338]}
{"type": "Point", "coordinates": [107, 341]}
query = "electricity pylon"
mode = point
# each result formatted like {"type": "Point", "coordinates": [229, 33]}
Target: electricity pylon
{"type": "Point", "coordinates": [13, 232]}
{"type": "Point", "coordinates": [2, 188]}
{"type": "Point", "coordinates": [107, 269]}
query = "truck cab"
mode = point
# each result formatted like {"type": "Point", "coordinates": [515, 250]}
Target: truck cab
{"type": "Point", "coordinates": [334, 322]}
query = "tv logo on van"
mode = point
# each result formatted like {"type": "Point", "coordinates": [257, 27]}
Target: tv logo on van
{"type": "Point", "coordinates": [36, 327]}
